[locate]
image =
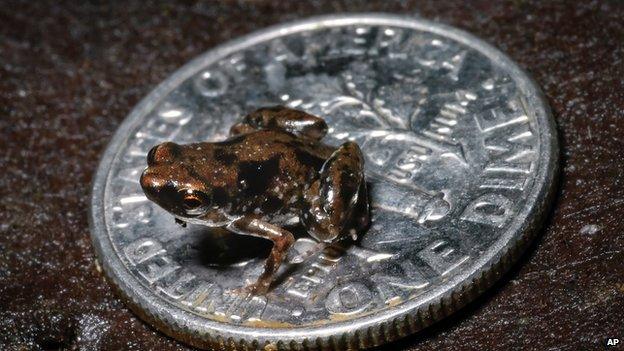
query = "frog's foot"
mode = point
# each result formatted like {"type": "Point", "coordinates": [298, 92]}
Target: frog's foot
{"type": "Point", "coordinates": [254, 289]}
{"type": "Point", "coordinates": [282, 118]}
{"type": "Point", "coordinates": [337, 203]}
{"type": "Point", "coordinates": [282, 240]}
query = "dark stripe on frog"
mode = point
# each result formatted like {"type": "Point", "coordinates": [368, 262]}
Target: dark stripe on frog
{"type": "Point", "coordinates": [197, 176]}
{"type": "Point", "coordinates": [271, 204]}
{"type": "Point", "coordinates": [257, 175]}
{"type": "Point", "coordinates": [224, 157]}
{"type": "Point", "coordinates": [349, 186]}
{"type": "Point", "coordinates": [309, 159]}
{"type": "Point", "coordinates": [220, 196]}
{"type": "Point", "coordinates": [174, 149]}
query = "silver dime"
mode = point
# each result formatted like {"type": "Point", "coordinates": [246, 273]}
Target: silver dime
{"type": "Point", "coordinates": [460, 154]}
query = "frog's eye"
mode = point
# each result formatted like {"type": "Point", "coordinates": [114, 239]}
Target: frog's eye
{"type": "Point", "coordinates": [191, 201]}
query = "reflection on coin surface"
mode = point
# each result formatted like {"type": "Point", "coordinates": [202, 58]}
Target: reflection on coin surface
{"type": "Point", "coordinates": [460, 154]}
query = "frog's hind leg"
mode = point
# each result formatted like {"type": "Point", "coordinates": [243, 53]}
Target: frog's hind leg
{"type": "Point", "coordinates": [337, 203]}
{"type": "Point", "coordinates": [282, 241]}
{"type": "Point", "coordinates": [297, 122]}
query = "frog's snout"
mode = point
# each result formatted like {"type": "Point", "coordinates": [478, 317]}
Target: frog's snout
{"type": "Point", "coordinates": [150, 182]}
{"type": "Point", "coordinates": [159, 159]}
{"type": "Point", "coordinates": [163, 153]}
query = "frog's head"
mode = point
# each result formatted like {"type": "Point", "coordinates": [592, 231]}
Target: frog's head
{"type": "Point", "coordinates": [171, 182]}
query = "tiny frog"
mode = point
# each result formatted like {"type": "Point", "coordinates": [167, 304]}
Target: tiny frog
{"type": "Point", "coordinates": [272, 172]}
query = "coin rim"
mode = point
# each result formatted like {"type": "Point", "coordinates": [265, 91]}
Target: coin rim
{"type": "Point", "coordinates": [370, 330]}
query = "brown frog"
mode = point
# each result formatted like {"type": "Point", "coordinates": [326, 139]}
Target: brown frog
{"type": "Point", "coordinates": [271, 172]}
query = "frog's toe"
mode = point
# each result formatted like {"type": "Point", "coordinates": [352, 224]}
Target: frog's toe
{"type": "Point", "coordinates": [255, 289]}
{"type": "Point", "coordinates": [258, 288]}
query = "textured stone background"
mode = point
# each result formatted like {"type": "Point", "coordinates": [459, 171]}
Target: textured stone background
{"type": "Point", "coordinates": [70, 73]}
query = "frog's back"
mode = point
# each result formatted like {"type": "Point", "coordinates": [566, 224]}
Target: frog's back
{"type": "Point", "coordinates": [268, 169]}
{"type": "Point", "coordinates": [263, 145]}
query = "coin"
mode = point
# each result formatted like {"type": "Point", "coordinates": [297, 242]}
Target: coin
{"type": "Point", "coordinates": [461, 156]}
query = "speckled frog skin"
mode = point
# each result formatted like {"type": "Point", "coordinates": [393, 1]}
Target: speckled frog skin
{"type": "Point", "coordinates": [272, 172]}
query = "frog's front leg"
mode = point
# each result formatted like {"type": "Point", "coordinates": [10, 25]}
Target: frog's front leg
{"type": "Point", "coordinates": [282, 241]}
{"type": "Point", "coordinates": [283, 118]}
{"type": "Point", "coordinates": [337, 203]}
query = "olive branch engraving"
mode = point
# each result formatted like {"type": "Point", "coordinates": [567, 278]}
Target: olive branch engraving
{"type": "Point", "coordinates": [371, 106]}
